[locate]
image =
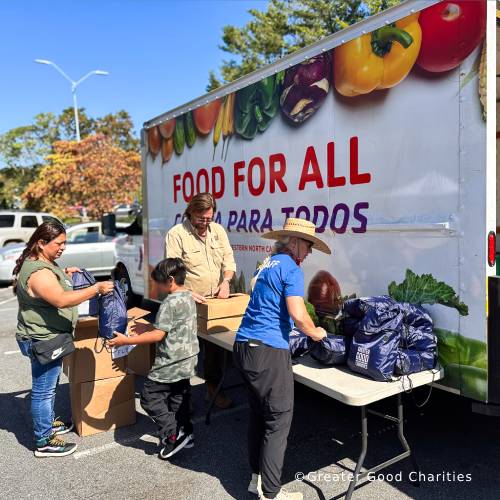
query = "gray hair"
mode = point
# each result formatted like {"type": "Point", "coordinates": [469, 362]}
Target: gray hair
{"type": "Point", "coordinates": [280, 245]}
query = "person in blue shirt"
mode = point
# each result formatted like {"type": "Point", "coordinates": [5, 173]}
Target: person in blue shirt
{"type": "Point", "coordinates": [261, 352]}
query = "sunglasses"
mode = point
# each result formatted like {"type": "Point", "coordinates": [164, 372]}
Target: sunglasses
{"type": "Point", "coordinates": [204, 219]}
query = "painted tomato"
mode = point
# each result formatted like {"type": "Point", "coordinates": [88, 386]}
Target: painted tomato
{"type": "Point", "coordinates": [450, 32]}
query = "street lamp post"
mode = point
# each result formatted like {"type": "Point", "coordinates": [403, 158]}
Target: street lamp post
{"type": "Point", "coordinates": [74, 85]}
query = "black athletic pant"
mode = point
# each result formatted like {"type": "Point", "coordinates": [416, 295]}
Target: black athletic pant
{"type": "Point", "coordinates": [168, 406]}
{"type": "Point", "coordinates": [268, 375]}
{"type": "Point", "coordinates": [212, 362]}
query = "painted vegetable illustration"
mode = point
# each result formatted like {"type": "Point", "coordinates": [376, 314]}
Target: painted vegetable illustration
{"type": "Point", "coordinates": [167, 149]}
{"type": "Point", "coordinates": [324, 293]}
{"type": "Point", "coordinates": [218, 129]}
{"type": "Point", "coordinates": [451, 30]}
{"type": "Point", "coordinates": [256, 105]}
{"type": "Point", "coordinates": [179, 136]}
{"type": "Point", "coordinates": [228, 121]}
{"type": "Point", "coordinates": [167, 128]}
{"type": "Point", "coordinates": [205, 116]}
{"type": "Point", "coordinates": [312, 312]}
{"type": "Point", "coordinates": [465, 363]}
{"type": "Point", "coordinates": [305, 87]}
{"type": "Point", "coordinates": [482, 80]}
{"type": "Point", "coordinates": [377, 60]}
{"type": "Point", "coordinates": [425, 289]}
{"type": "Point", "coordinates": [189, 129]}
{"type": "Point", "coordinates": [154, 141]}
{"type": "Point", "coordinates": [224, 126]}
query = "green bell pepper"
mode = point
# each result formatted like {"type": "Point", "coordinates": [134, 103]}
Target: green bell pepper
{"type": "Point", "coordinates": [256, 106]}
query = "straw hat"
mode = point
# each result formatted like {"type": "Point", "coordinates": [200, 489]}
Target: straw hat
{"type": "Point", "coordinates": [299, 228]}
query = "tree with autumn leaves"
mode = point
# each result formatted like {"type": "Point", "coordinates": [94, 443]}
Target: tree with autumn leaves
{"type": "Point", "coordinates": [94, 173]}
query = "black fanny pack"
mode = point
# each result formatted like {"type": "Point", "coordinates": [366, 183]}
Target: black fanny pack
{"type": "Point", "coordinates": [46, 351]}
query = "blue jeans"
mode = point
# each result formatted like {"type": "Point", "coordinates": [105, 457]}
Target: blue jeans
{"type": "Point", "coordinates": [43, 393]}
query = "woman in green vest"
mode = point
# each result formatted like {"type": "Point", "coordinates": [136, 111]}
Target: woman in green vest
{"type": "Point", "coordinates": [47, 308]}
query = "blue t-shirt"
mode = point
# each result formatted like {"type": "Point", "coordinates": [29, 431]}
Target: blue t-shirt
{"type": "Point", "coordinates": [266, 317]}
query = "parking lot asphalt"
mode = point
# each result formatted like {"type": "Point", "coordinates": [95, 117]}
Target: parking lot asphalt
{"type": "Point", "coordinates": [458, 451]}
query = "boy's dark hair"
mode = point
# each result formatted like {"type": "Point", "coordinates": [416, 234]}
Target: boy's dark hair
{"type": "Point", "coordinates": [169, 268]}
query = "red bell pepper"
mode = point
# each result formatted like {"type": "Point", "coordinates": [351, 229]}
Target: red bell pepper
{"type": "Point", "coordinates": [451, 30]}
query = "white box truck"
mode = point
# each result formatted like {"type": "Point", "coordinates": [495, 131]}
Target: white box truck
{"type": "Point", "coordinates": [382, 135]}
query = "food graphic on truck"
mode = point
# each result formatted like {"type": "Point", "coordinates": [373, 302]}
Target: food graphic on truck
{"type": "Point", "coordinates": [379, 134]}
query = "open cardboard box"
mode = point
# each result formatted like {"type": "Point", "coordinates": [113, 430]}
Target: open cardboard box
{"type": "Point", "coordinates": [91, 360]}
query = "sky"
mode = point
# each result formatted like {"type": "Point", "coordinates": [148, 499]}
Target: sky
{"type": "Point", "coordinates": [158, 54]}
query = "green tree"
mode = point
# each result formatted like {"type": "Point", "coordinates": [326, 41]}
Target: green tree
{"type": "Point", "coordinates": [284, 27]}
{"type": "Point", "coordinates": [13, 182]}
{"type": "Point", "coordinates": [28, 145]}
{"type": "Point", "coordinates": [93, 172]}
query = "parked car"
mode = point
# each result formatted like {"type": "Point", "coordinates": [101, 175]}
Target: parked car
{"type": "Point", "coordinates": [87, 247]}
{"type": "Point", "coordinates": [16, 226]}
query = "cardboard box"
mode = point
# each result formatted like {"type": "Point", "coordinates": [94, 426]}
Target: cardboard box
{"type": "Point", "coordinates": [235, 305]}
{"type": "Point", "coordinates": [101, 405]}
{"type": "Point", "coordinates": [221, 315]}
{"type": "Point", "coordinates": [87, 326]}
{"type": "Point", "coordinates": [141, 357]}
{"type": "Point", "coordinates": [219, 325]}
{"type": "Point", "coordinates": [89, 364]}
{"type": "Point", "coordinates": [92, 361]}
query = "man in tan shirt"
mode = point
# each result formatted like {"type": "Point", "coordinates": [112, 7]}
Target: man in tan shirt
{"type": "Point", "coordinates": [204, 247]}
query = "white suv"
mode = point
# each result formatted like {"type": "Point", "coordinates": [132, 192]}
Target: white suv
{"type": "Point", "coordinates": [16, 226]}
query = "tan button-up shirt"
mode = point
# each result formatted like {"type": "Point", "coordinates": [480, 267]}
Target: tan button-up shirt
{"type": "Point", "coordinates": [206, 259]}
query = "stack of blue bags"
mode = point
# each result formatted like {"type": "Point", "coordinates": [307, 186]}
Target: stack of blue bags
{"type": "Point", "coordinates": [382, 339]}
{"type": "Point", "coordinates": [389, 338]}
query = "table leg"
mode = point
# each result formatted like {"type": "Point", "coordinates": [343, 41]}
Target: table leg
{"type": "Point", "coordinates": [218, 389]}
{"type": "Point", "coordinates": [364, 446]}
{"type": "Point", "coordinates": [403, 441]}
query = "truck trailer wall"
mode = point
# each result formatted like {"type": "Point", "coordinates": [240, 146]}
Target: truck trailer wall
{"type": "Point", "coordinates": [394, 178]}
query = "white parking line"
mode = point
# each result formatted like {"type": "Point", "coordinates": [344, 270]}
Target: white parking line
{"type": "Point", "coordinates": [12, 352]}
{"type": "Point", "coordinates": [147, 437]}
{"type": "Point", "coordinates": [8, 300]}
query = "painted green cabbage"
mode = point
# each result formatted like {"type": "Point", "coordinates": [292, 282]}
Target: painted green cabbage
{"type": "Point", "coordinates": [465, 363]}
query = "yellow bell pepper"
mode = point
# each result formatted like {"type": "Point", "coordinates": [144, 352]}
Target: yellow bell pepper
{"type": "Point", "coordinates": [377, 60]}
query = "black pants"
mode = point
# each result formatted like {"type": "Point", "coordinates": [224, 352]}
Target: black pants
{"type": "Point", "coordinates": [268, 376]}
{"type": "Point", "coordinates": [168, 406]}
{"type": "Point", "coordinates": [212, 362]}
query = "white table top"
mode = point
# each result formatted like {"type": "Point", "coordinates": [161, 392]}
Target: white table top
{"type": "Point", "coordinates": [339, 382]}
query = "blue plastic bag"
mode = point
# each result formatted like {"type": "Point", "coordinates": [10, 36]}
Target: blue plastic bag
{"type": "Point", "coordinates": [374, 347]}
{"type": "Point", "coordinates": [298, 343]}
{"type": "Point", "coordinates": [418, 329]}
{"type": "Point", "coordinates": [112, 312]}
{"type": "Point", "coordinates": [83, 279]}
{"type": "Point", "coordinates": [412, 361]}
{"type": "Point", "coordinates": [389, 337]}
{"type": "Point", "coordinates": [331, 350]}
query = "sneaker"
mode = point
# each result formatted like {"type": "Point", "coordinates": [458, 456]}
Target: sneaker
{"type": "Point", "coordinates": [255, 486]}
{"type": "Point", "coordinates": [222, 401]}
{"type": "Point", "coordinates": [59, 427]}
{"type": "Point", "coordinates": [189, 441]}
{"type": "Point", "coordinates": [285, 495]}
{"type": "Point", "coordinates": [54, 447]}
{"type": "Point", "coordinates": [173, 444]}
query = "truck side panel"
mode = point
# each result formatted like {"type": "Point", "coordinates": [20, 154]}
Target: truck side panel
{"type": "Point", "coordinates": [395, 179]}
